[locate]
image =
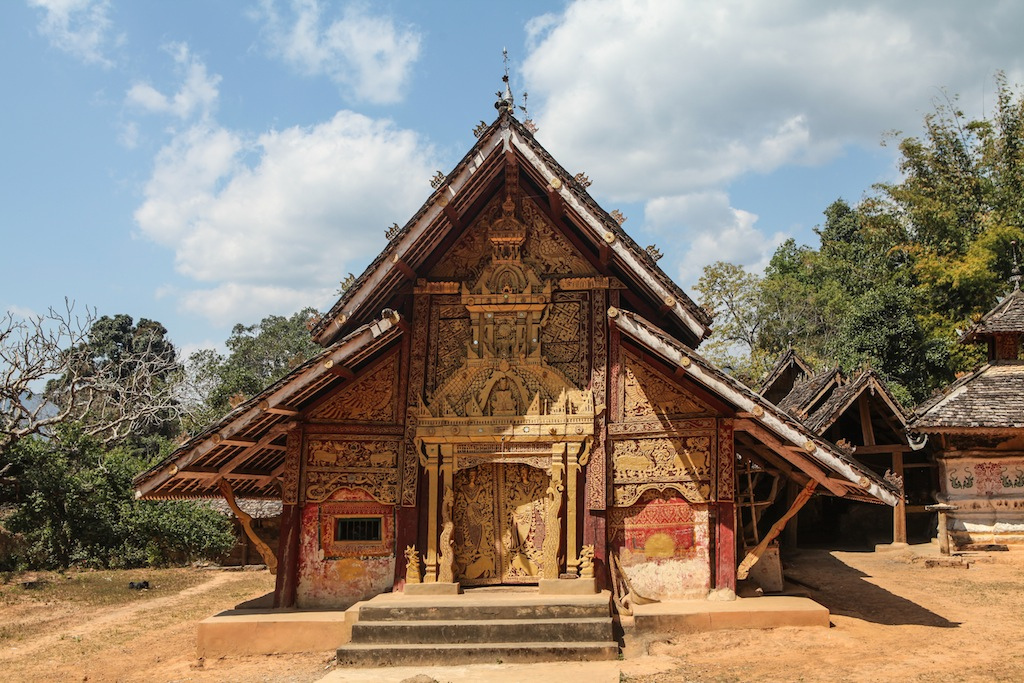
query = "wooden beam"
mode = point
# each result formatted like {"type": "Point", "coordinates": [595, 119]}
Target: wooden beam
{"type": "Point", "coordinates": [882, 449]}
{"type": "Point", "coordinates": [791, 454]}
{"type": "Point", "coordinates": [866, 428]}
{"type": "Point", "coordinates": [246, 520]}
{"type": "Point", "coordinates": [754, 555]}
{"type": "Point", "coordinates": [264, 443]}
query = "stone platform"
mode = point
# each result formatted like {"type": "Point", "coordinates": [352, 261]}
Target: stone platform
{"type": "Point", "coordinates": [690, 616]}
{"type": "Point", "coordinates": [526, 613]}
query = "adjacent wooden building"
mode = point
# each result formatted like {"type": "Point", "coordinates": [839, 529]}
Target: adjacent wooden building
{"type": "Point", "coordinates": [976, 427]}
{"type": "Point", "coordinates": [509, 394]}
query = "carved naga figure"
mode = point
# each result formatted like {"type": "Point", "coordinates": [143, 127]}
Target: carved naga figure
{"type": "Point", "coordinates": [412, 565]}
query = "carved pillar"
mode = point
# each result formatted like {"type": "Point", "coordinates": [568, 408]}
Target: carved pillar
{"type": "Point", "coordinates": [432, 461]}
{"type": "Point", "coordinates": [445, 549]}
{"type": "Point", "coordinates": [554, 517]}
{"type": "Point", "coordinates": [576, 457]}
{"type": "Point", "coordinates": [725, 536]}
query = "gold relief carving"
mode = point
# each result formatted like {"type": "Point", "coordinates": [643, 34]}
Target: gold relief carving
{"type": "Point", "coordinates": [450, 334]}
{"type": "Point", "coordinates": [680, 463]}
{"type": "Point", "coordinates": [336, 453]}
{"type": "Point", "coordinates": [660, 427]}
{"type": "Point", "coordinates": [414, 390]}
{"type": "Point", "coordinates": [331, 512]}
{"type": "Point", "coordinates": [499, 528]}
{"type": "Point", "coordinates": [547, 249]}
{"type": "Point", "coordinates": [371, 466]}
{"type": "Point", "coordinates": [444, 569]}
{"type": "Point", "coordinates": [551, 544]}
{"type": "Point", "coordinates": [381, 485]}
{"type": "Point", "coordinates": [647, 394]}
{"type": "Point", "coordinates": [726, 460]}
{"type": "Point", "coordinates": [371, 398]}
{"type": "Point", "coordinates": [290, 473]}
{"type": "Point", "coordinates": [596, 481]}
{"type": "Point", "coordinates": [564, 336]}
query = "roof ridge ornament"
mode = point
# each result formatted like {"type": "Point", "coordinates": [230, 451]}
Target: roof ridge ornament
{"type": "Point", "coordinates": [505, 104]}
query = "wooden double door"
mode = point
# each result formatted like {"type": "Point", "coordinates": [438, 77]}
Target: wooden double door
{"type": "Point", "coordinates": [499, 518]}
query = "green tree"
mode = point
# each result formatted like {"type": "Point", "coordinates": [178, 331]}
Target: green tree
{"type": "Point", "coordinates": [258, 355]}
{"type": "Point", "coordinates": [76, 507]}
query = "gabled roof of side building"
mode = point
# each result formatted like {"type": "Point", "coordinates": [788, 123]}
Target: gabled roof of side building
{"type": "Point", "coordinates": [452, 204]}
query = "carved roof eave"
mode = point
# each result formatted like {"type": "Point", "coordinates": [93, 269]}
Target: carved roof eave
{"type": "Point", "coordinates": [596, 225]}
{"type": "Point", "coordinates": [762, 411]}
{"type": "Point", "coordinates": [867, 380]}
{"type": "Point", "coordinates": [267, 412]}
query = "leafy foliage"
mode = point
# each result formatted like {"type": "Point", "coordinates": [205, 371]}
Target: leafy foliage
{"type": "Point", "coordinates": [76, 507]}
{"type": "Point", "coordinates": [258, 355]}
{"type": "Point", "coordinates": [895, 277]}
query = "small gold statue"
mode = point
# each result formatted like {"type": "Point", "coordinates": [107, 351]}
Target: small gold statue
{"type": "Point", "coordinates": [412, 565]}
{"type": "Point", "coordinates": [587, 562]}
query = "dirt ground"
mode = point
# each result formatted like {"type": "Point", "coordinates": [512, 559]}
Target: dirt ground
{"type": "Point", "coordinates": [893, 618]}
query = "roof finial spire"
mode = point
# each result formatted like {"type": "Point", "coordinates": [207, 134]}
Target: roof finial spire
{"type": "Point", "coordinates": [505, 101]}
{"type": "Point", "coordinates": [1015, 272]}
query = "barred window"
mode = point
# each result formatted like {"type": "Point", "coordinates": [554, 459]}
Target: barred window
{"type": "Point", "coordinates": [357, 529]}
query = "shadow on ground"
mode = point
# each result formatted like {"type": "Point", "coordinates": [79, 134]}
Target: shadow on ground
{"type": "Point", "coordinates": [845, 591]}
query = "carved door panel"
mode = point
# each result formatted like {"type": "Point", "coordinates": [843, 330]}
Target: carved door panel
{"type": "Point", "coordinates": [499, 524]}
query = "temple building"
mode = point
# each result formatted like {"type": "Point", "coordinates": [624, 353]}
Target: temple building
{"type": "Point", "coordinates": [860, 414]}
{"type": "Point", "coordinates": [976, 426]}
{"type": "Point", "coordinates": [508, 394]}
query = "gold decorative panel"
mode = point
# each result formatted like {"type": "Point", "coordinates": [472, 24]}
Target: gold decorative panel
{"type": "Point", "coordinates": [684, 463]}
{"type": "Point", "coordinates": [499, 515]}
{"type": "Point", "coordinates": [337, 462]}
{"type": "Point", "coordinates": [649, 394]}
{"type": "Point", "coordinates": [372, 397]}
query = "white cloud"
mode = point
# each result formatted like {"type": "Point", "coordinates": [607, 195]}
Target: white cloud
{"type": "Point", "coordinates": [22, 312]}
{"type": "Point", "coordinates": [197, 95]}
{"type": "Point", "coordinates": [655, 97]}
{"type": "Point", "coordinates": [276, 222]}
{"type": "Point", "coordinates": [367, 55]}
{"type": "Point", "coordinates": [79, 27]}
{"type": "Point", "coordinates": [713, 230]}
{"type": "Point", "coordinates": [665, 103]}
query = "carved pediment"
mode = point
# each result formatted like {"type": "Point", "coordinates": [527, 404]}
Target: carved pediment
{"type": "Point", "coordinates": [371, 397]}
{"type": "Point", "coordinates": [649, 394]}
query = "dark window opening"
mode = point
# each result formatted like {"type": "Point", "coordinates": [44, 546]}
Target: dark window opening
{"type": "Point", "coordinates": [357, 529]}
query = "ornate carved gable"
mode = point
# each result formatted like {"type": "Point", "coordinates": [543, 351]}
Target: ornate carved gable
{"type": "Point", "coordinates": [501, 375]}
{"type": "Point", "coordinates": [544, 249]}
{"type": "Point", "coordinates": [649, 395]}
{"type": "Point", "coordinates": [372, 397]}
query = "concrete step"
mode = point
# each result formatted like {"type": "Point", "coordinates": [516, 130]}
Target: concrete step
{"type": "Point", "coordinates": [478, 611]}
{"type": "Point", "coordinates": [482, 630]}
{"type": "Point", "coordinates": [363, 654]}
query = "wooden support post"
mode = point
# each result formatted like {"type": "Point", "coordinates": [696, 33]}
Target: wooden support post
{"type": "Point", "coordinates": [725, 546]}
{"type": "Point", "coordinates": [572, 548]}
{"type": "Point", "coordinates": [899, 513]}
{"type": "Point", "coordinates": [754, 555]}
{"type": "Point", "coordinates": [246, 520]}
{"type": "Point", "coordinates": [287, 582]}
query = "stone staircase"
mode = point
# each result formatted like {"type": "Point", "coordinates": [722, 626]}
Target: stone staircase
{"type": "Point", "coordinates": [480, 627]}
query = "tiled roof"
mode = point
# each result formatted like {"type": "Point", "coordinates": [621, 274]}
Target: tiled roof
{"type": "Point", "coordinates": [844, 396]}
{"type": "Point", "coordinates": [637, 264]}
{"type": "Point", "coordinates": [989, 397]}
{"type": "Point", "coordinates": [804, 393]}
{"type": "Point", "coordinates": [1007, 316]}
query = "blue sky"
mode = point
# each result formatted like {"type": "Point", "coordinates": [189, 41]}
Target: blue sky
{"type": "Point", "coordinates": [204, 163]}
